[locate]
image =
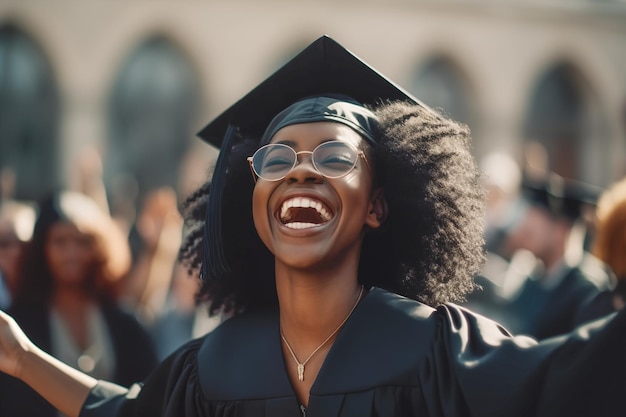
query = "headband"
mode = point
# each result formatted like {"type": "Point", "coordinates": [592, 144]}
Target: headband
{"type": "Point", "coordinates": [342, 110]}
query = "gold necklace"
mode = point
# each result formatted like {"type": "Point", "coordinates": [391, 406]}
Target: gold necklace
{"type": "Point", "coordinates": [302, 364]}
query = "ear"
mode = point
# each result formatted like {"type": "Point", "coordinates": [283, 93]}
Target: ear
{"type": "Point", "coordinates": [378, 209]}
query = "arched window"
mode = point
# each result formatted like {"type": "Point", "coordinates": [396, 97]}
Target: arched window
{"type": "Point", "coordinates": [153, 106]}
{"type": "Point", "coordinates": [558, 118]}
{"type": "Point", "coordinates": [440, 85]}
{"type": "Point", "coordinates": [29, 115]}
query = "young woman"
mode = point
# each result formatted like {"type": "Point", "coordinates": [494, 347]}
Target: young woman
{"type": "Point", "coordinates": [66, 300]}
{"type": "Point", "coordinates": [358, 206]}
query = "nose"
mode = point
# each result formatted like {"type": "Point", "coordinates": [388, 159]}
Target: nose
{"type": "Point", "coordinates": [304, 171]}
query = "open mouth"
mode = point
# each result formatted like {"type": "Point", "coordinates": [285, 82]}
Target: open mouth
{"type": "Point", "coordinates": [304, 213]}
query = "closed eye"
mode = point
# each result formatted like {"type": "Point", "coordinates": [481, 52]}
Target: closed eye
{"type": "Point", "coordinates": [276, 163]}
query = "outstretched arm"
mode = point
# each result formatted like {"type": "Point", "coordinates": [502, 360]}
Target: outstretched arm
{"type": "Point", "coordinates": [61, 385]}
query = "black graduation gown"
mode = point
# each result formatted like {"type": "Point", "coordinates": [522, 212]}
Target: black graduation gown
{"type": "Point", "coordinates": [394, 357]}
{"type": "Point", "coordinates": [541, 312]}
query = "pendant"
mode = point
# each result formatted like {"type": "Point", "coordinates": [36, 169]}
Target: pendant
{"type": "Point", "coordinates": [86, 363]}
{"type": "Point", "coordinates": [300, 372]}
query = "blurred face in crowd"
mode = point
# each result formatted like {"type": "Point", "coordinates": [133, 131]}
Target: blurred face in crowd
{"type": "Point", "coordinates": [70, 254]}
{"type": "Point", "coordinates": [541, 234]}
{"type": "Point", "coordinates": [10, 249]}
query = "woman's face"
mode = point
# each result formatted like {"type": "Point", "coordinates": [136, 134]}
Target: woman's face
{"type": "Point", "coordinates": [70, 254]}
{"type": "Point", "coordinates": [10, 250]}
{"type": "Point", "coordinates": [332, 213]}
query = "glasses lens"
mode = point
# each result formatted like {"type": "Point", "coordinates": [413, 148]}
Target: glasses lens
{"type": "Point", "coordinates": [272, 162]}
{"type": "Point", "coordinates": [335, 159]}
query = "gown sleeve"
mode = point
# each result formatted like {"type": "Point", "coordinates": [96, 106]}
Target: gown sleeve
{"type": "Point", "coordinates": [476, 368]}
{"type": "Point", "coordinates": [173, 389]}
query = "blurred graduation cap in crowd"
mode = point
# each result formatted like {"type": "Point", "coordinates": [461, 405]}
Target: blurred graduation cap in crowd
{"type": "Point", "coordinates": [324, 68]}
{"type": "Point", "coordinates": [562, 197]}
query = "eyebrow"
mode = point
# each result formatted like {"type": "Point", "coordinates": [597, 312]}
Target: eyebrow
{"type": "Point", "coordinates": [293, 144]}
{"type": "Point", "coordinates": [289, 143]}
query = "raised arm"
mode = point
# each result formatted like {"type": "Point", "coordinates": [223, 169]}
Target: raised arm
{"type": "Point", "coordinates": [61, 385]}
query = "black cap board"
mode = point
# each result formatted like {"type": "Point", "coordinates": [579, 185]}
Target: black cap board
{"type": "Point", "coordinates": [563, 197]}
{"type": "Point", "coordinates": [323, 67]}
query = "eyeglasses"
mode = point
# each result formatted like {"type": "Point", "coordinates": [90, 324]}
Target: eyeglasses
{"type": "Point", "coordinates": [332, 159]}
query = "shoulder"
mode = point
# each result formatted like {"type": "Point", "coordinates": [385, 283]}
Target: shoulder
{"type": "Point", "coordinates": [187, 351]}
{"type": "Point", "coordinates": [181, 363]}
{"type": "Point", "coordinates": [387, 304]}
{"type": "Point", "coordinates": [463, 322]}
{"type": "Point", "coordinates": [406, 313]}
{"type": "Point", "coordinates": [599, 306]}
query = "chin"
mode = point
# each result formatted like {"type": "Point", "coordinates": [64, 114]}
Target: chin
{"type": "Point", "coordinates": [301, 259]}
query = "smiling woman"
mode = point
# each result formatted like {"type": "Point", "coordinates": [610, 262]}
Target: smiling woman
{"type": "Point", "coordinates": [338, 258]}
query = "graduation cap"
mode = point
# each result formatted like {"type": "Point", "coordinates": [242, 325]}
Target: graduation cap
{"type": "Point", "coordinates": [562, 197]}
{"type": "Point", "coordinates": [323, 69]}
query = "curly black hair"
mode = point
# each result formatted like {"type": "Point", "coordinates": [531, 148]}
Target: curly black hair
{"type": "Point", "coordinates": [429, 249]}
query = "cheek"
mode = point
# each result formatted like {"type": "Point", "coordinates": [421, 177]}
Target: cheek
{"type": "Point", "coordinates": [54, 261]}
{"type": "Point", "coordinates": [356, 192]}
{"type": "Point", "coordinates": [260, 215]}
{"type": "Point", "coordinates": [52, 254]}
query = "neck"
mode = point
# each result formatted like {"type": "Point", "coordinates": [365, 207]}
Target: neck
{"type": "Point", "coordinates": [70, 299]}
{"type": "Point", "coordinates": [313, 305]}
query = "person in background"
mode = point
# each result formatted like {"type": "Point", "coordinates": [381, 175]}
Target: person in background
{"type": "Point", "coordinates": [609, 245]}
{"type": "Point", "coordinates": [564, 276]}
{"type": "Point", "coordinates": [87, 176]}
{"type": "Point", "coordinates": [501, 178]}
{"type": "Point", "coordinates": [158, 288]}
{"type": "Point", "coordinates": [155, 237]}
{"type": "Point", "coordinates": [182, 317]}
{"type": "Point", "coordinates": [16, 228]}
{"type": "Point", "coordinates": [65, 300]}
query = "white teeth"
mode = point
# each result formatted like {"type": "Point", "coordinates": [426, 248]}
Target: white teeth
{"type": "Point", "coordinates": [300, 225]}
{"type": "Point", "coordinates": [304, 202]}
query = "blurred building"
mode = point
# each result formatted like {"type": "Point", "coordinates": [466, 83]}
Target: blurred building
{"type": "Point", "coordinates": [138, 78]}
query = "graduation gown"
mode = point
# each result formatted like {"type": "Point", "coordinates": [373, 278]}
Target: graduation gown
{"type": "Point", "coordinates": [393, 357]}
{"type": "Point", "coordinates": [542, 311]}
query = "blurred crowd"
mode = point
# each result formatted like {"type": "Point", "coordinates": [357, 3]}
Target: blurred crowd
{"type": "Point", "coordinates": [555, 247]}
{"type": "Point", "coordinates": [107, 294]}
{"type": "Point", "coordinates": [102, 293]}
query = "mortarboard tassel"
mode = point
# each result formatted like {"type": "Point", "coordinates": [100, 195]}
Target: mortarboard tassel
{"type": "Point", "coordinates": [214, 263]}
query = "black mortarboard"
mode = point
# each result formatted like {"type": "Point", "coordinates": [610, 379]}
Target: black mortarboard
{"type": "Point", "coordinates": [562, 197]}
{"type": "Point", "coordinates": [323, 67]}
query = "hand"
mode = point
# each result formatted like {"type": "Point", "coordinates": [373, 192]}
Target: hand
{"type": "Point", "coordinates": [159, 222]}
{"type": "Point", "coordinates": [13, 345]}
